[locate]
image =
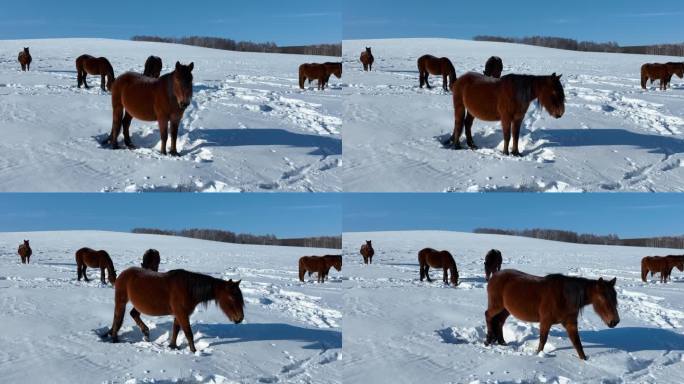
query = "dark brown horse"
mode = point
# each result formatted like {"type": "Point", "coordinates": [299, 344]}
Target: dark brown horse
{"type": "Point", "coordinates": [663, 72]}
{"type": "Point", "coordinates": [492, 263]}
{"type": "Point", "coordinates": [549, 300]}
{"type": "Point", "coordinates": [493, 67]}
{"type": "Point", "coordinates": [506, 99]}
{"type": "Point", "coordinates": [163, 100]}
{"type": "Point", "coordinates": [367, 252]}
{"type": "Point", "coordinates": [431, 65]}
{"type": "Point", "coordinates": [153, 67]}
{"type": "Point", "coordinates": [176, 293]}
{"type": "Point", "coordinates": [25, 59]}
{"type": "Point", "coordinates": [151, 260]}
{"type": "Point", "coordinates": [316, 71]}
{"type": "Point", "coordinates": [89, 65]}
{"type": "Point", "coordinates": [25, 252]}
{"type": "Point", "coordinates": [87, 257]}
{"type": "Point", "coordinates": [319, 264]}
{"type": "Point", "coordinates": [662, 265]}
{"type": "Point", "coordinates": [429, 257]}
{"type": "Point", "coordinates": [367, 59]}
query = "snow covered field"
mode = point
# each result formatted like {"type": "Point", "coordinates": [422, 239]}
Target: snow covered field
{"type": "Point", "coordinates": [613, 137]}
{"type": "Point", "coordinates": [249, 127]}
{"type": "Point", "coordinates": [50, 321]}
{"type": "Point", "coordinates": [395, 326]}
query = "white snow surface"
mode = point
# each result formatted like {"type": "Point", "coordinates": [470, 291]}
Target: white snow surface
{"type": "Point", "coordinates": [614, 136]}
{"type": "Point", "coordinates": [50, 322]}
{"type": "Point", "coordinates": [249, 127]}
{"type": "Point", "coordinates": [418, 332]}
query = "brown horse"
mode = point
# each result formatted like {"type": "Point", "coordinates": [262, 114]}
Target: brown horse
{"type": "Point", "coordinates": [431, 65]}
{"type": "Point", "coordinates": [163, 100]}
{"type": "Point", "coordinates": [332, 68]}
{"type": "Point", "coordinates": [549, 300]}
{"type": "Point", "coordinates": [176, 293]}
{"type": "Point", "coordinates": [493, 67]}
{"type": "Point", "coordinates": [25, 252]}
{"type": "Point", "coordinates": [367, 252]}
{"type": "Point", "coordinates": [662, 265]}
{"type": "Point", "coordinates": [662, 72]}
{"type": "Point", "coordinates": [151, 260]}
{"type": "Point", "coordinates": [314, 71]}
{"type": "Point", "coordinates": [492, 263]}
{"type": "Point", "coordinates": [367, 59]}
{"type": "Point", "coordinates": [429, 257]}
{"type": "Point", "coordinates": [89, 65]}
{"type": "Point", "coordinates": [506, 99]}
{"type": "Point", "coordinates": [319, 264]}
{"type": "Point", "coordinates": [153, 67]}
{"type": "Point", "coordinates": [87, 257]}
{"type": "Point", "coordinates": [25, 59]}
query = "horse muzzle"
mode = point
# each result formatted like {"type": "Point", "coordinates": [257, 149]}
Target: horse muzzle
{"type": "Point", "coordinates": [613, 323]}
{"type": "Point", "coordinates": [183, 104]}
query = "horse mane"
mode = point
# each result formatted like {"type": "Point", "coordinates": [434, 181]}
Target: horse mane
{"type": "Point", "coordinates": [523, 85]}
{"type": "Point", "coordinates": [574, 289]}
{"type": "Point", "coordinates": [201, 287]}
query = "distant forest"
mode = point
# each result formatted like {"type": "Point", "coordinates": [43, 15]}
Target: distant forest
{"type": "Point", "coordinates": [588, 46]}
{"type": "Point", "coordinates": [333, 242]}
{"type": "Point", "coordinates": [676, 242]}
{"type": "Point", "coordinates": [246, 46]}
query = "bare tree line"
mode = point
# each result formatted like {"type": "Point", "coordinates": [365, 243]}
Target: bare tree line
{"type": "Point", "coordinates": [332, 242]}
{"type": "Point", "coordinates": [246, 46]}
{"type": "Point", "coordinates": [676, 242]}
{"type": "Point", "coordinates": [588, 46]}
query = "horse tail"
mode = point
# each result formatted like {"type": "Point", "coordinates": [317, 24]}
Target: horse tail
{"type": "Point", "coordinates": [644, 270]}
{"type": "Point", "coordinates": [302, 76]}
{"type": "Point", "coordinates": [452, 75]}
{"type": "Point", "coordinates": [302, 269]}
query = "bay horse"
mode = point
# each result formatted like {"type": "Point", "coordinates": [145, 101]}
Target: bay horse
{"type": "Point", "coordinates": [548, 300]}
{"type": "Point", "coordinates": [313, 71]}
{"type": "Point", "coordinates": [492, 263]}
{"type": "Point", "coordinates": [163, 100]}
{"type": "Point", "coordinates": [87, 257]}
{"type": "Point", "coordinates": [431, 65]}
{"type": "Point", "coordinates": [493, 67]}
{"type": "Point", "coordinates": [153, 67]}
{"type": "Point", "coordinates": [89, 65]}
{"type": "Point", "coordinates": [25, 59]}
{"type": "Point", "coordinates": [662, 265]}
{"type": "Point", "coordinates": [319, 264]}
{"type": "Point", "coordinates": [367, 252]}
{"type": "Point", "coordinates": [367, 59]}
{"type": "Point", "coordinates": [151, 260]}
{"type": "Point", "coordinates": [177, 293]}
{"type": "Point", "coordinates": [429, 257]}
{"type": "Point", "coordinates": [663, 72]}
{"type": "Point", "coordinates": [25, 252]}
{"type": "Point", "coordinates": [506, 99]}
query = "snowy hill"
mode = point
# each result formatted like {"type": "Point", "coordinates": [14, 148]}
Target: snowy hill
{"type": "Point", "coordinates": [395, 326]}
{"type": "Point", "coordinates": [291, 331]}
{"type": "Point", "coordinates": [249, 127]}
{"type": "Point", "coordinates": [613, 137]}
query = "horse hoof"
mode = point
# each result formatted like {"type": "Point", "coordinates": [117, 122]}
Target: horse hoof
{"type": "Point", "coordinates": [174, 154]}
{"type": "Point", "coordinates": [131, 146]}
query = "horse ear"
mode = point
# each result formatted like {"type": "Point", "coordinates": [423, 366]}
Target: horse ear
{"type": "Point", "coordinates": [238, 282]}
{"type": "Point", "coordinates": [559, 76]}
{"type": "Point", "coordinates": [191, 66]}
{"type": "Point", "coordinates": [178, 64]}
{"type": "Point", "coordinates": [612, 282]}
{"type": "Point", "coordinates": [554, 74]}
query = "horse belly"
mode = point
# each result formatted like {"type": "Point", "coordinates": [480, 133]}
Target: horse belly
{"type": "Point", "coordinates": [157, 306]}
{"type": "Point", "coordinates": [521, 303]}
{"type": "Point", "coordinates": [482, 106]}
{"type": "Point", "coordinates": [139, 105]}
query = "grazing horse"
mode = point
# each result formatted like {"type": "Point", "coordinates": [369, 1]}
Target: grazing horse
{"type": "Point", "coordinates": [25, 59]}
{"type": "Point", "coordinates": [25, 252]}
{"type": "Point", "coordinates": [367, 252]}
{"type": "Point", "coordinates": [492, 263]}
{"type": "Point", "coordinates": [549, 300]}
{"type": "Point", "coordinates": [176, 293]}
{"type": "Point", "coordinates": [429, 257]}
{"type": "Point", "coordinates": [87, 257]}
{"type": "Point", "coordinates": [163, 100]}
{"type": "Point", "coordinates": [315, 71]}
{"type": "Point", "coordinates": [367, 59]}
{"type": "Point", "coordinates": [89, 65]}
{"type": "Point", "coordinates": [151, 260]}
{"type": "Point", "coordinates": [493, 67]}
{"type": "Point", "coordinates": [662, 265]}
{"type": "Point", "coordinates": [319, 264]}
{"type": "Point", "coordinates": [431, 65]}
{"type": "Point", "coordinates": [663, 72]}
{"type": "Point", "coordinates": [153, 67]}
{"type": "Point", "coordinates": [506, 99]}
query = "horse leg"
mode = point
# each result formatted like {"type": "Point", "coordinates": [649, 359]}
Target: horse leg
{"type": "Point", "coordinates": [184, 321]}
{"type": "Point", "coordinates": [444, 83]}
{"type": "Point", "coordinates": [174, 136]}
{"type": "Point", "coordinates": [544, 327]}
{"type": "Point", "coordinates": [445, 277]}
{"type": "Point", "coordinates": [163, 133]}
{"type": "Point", "coordinates": [427, 83]}
{"type": "Point", "coordinates": [120, 301]}
{"type": "Point", "coordinates": [420, 79]}
{"type": "Point", "coordinates": [500, 320]}
{"type": "Point", "coordinates": [85, 276]}
{"type": "Point", "coordinates": [79, 272]}
{"type": "Point", "coordinates": [506, 127]}
{"type": "Point", "coordinates": [459, 115]}
{"type": "Point", "coordinates": [126, 122]}
{"type": "Point", "coordinates": [571, 328]}
{"type": "Point", "coordinates": [79, 78]}
{"type": "Point", "coordinates": [427, 273]}
{"type": "Point", "coordinates": [102, 82]}
{"type": "Point", "coordinates": [174, 334]}
{"type": "Point", "coordinates": [468, 130]}
{"type": "Point", "coordinates": [136, 317]}
{"type": "Point", "coordinates": [117, 117]}
{"type": "Point", "coordinates": [422, 273]}
{"type": "Point", "coordinates": [85, 82]}
{"type": "Point", "coordinates": [102, 275]}
{"type": "Point", "coordinates": [516, 134]}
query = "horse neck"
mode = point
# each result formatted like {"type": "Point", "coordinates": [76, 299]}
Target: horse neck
{"type": "Point", "coordinates": [109, 264]}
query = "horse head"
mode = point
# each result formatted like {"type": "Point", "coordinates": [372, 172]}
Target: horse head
{"type": "Point", "coordinates": [368, 50]}
{"type": "Point", "coordinates": [229, 298]}
{"type": "Point", "coordinates": [604, 299]}
{"type": "Point", "coordinates": [551, 95]}
{"type": "Point", "coordinates": [26, 51]}
{"type": "Point", "coordinates": [182, 84]}
{"type": "Point", "coordinates": [26, 243]}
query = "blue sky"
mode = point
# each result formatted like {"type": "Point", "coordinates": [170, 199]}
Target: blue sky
{"type": "Point", "coordinates": [281, 214]}
{"type": "Point", "coordinates": [290, 22]}
{"type": "Point", "coordinates": [624, 214]}
{"type": "Point", "coordinates": [628, 22]}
